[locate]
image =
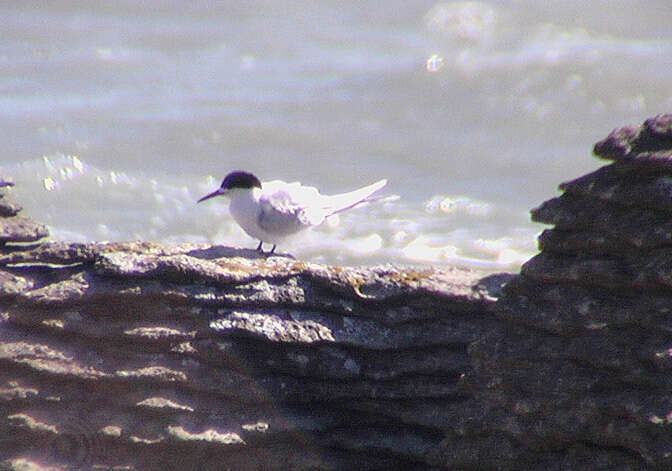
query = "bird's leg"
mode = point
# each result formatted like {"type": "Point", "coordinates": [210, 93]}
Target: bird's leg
{"type": "Point", "coordinates": [273, 249]}
{"type": "Point", "coordinates": [259, 247]}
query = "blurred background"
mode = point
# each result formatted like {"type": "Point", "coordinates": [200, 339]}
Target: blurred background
{"type": "Point", "coordinates": [116, 117]}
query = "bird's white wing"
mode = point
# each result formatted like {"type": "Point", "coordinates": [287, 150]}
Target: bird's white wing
{"type": "Point", "coordinates": [287, 208]}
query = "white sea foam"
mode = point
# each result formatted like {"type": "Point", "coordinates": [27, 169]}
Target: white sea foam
{"type": "Point", "coordinates": [117, 117]}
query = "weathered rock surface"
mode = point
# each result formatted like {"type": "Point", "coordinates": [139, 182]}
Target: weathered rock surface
{"type": "Point", "coordinates": [577, 374]}
{"type": "Point", "coordinates": [143, 356]}
{"type": "Point", "coordinates": [197, 357]}
{"type": "Point", "coordinates": [13, 228]}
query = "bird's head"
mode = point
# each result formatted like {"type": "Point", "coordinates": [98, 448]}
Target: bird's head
{"type": "Point", "coordinates": [234, 181]}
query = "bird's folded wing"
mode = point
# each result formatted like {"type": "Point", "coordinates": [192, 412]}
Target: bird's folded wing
{"type": "Point", "coordinates": [282, 214]}
{"type": "Point", "coordinates": [289, 207]}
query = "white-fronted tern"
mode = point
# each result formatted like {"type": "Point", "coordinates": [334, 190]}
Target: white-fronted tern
{"type": "Point", "coordinates": [276, 210]}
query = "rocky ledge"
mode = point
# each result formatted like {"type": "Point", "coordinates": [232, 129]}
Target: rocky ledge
{"type": "Point", "coordinates": [143, 356]}
{"type": "Point", "coordinates": [196, 357]}
{"type": "Point", "coordinates": [579, 369]}
{"type": "Point", "coordinates": [12, 227]}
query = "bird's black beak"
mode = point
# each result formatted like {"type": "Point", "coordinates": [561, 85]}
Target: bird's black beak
{"type": "Point", "coordinates": [217, 192]}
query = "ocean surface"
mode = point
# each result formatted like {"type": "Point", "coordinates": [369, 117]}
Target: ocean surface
{"type": "Point", "coordinates": [115, 117]}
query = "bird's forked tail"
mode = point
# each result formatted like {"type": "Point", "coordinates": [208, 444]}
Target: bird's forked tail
{"type": "Point", "coordinates": [344, 201]}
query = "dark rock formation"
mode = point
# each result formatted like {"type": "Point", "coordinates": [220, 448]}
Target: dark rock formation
{"type": "Point", "coordinates": [12, 227]}
{"type": "Point", "coordinates": [577, 374]}
{"type": "Point", "coordinates": [143, 356]}
{"type": "Point", "coordinates": [194, 357]}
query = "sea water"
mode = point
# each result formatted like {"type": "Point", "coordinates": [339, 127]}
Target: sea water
{"type": "Point", "coordinates": [115, 117]}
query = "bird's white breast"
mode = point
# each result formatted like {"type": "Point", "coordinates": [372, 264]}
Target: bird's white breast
{"type": "Point", "coordinates": [245, 210]}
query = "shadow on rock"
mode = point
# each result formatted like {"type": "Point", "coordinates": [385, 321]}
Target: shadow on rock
{"type": "Point", "coordinates": [221, 251]}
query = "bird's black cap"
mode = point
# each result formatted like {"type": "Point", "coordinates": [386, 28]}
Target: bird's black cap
{"type": "Point", "coordinates": [235, 179]}
{"type": "Point", "coordinates": [239, 179]}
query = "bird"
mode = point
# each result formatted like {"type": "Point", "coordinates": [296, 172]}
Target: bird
{"type": "Point", "coordinates": [273, 211]}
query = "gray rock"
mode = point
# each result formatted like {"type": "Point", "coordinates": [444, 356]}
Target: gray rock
{"type": "Point", "coordinates": [630, 189]}
{"type": "Point", "coordinates": [229, 358]}
{"type": "Point", "coordinates": [11, 285]}
{"type": "Point", "coordinates": [587, 271]}
{"type": "Point", "coordinates": [649, 144]}
{"type": "Point", "coordinates": [575, 376]}
{"type": "Point", "coordinates": [570, 212]}
{"type": "Point", "coordinates": [20, 229]}
{"type": "Point", "coordinates": [9, 208]}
